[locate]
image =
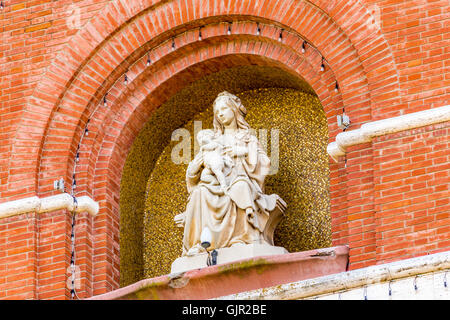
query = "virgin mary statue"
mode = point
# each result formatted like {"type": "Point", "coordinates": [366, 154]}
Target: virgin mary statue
{"type": "Point", "coordinates": [227, 198]}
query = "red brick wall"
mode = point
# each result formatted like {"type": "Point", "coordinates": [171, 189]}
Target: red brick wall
{"type": "Point", "coordinates": [59, 58]}
{"type": "Point", "coordinates": [412, 175]}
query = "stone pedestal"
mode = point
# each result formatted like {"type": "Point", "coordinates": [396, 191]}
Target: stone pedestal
{"type": "Point", "coordinates": [226, 255]}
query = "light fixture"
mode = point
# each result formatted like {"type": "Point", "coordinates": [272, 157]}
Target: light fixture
{"type": "Point", "coordinates": [105, 102]}
{"type": "Point", "coordinates": [322, 66]}
{"type": "Point", "coordinates": [343, 121]}
{"type": "Point", "coordinates": [173, 44]}
{"type": "Point", "coordinates": [1, 5]}
{"type": "Point", "coordinates": [304, 46]}
{"type": "Point", "coordinates": [200, 34]}
{"type": "Point", "coordinates": [280, 38]}
{"type": "Point", "coordinates": [258, 29]}
{"type": "Point", "coordinates": [59, 185]}
{"type": "Point", "coordinates": [205, 239]}
{"type": "Point", "coordinates": [229, 28]}
{"type": "Point", "coordinates": [86, 130]}
{"type": "Point", "coordinates": [336, 87]}
{"type": "Point", "coordinates": [125, 81]}
{"type": "Point", "coordinates": [149, 61]}
{"type": "Point", "coordinates": [415, 284]}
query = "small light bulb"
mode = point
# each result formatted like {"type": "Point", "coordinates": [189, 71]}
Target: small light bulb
{"type": "Point", "coordinates": [280, 38]}
{"type": "Point", "coordinates": [304, 47]}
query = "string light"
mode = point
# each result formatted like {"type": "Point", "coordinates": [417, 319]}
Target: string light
{"type": "Point", "coordinates": [149, 61]}
{"type": "Point", "coordinates": [322, 66]}
{"type": "Point", "coordinates": [1, 5]}
{"type": "Point", "coordinates": [304, 46]}
{"type": "Point", "coordinates": [280, 38]}
{"type": "Point", "coordinates": [229, 28]}
{"type": "Point", "coordinates": [336, 87]}
{"type": "Point", "coordinates": [200, 34]}
{"type": "Point", "coordinates": [73, 292]}
{"type": "Point", "coordinates": [258, 29]}
{"type": "Point", "coordinates": [125, 81]}
{"type": "Point", "coordinates": [365, 293]}
{"type": "Point", "coordinates": [390, 289]}
{"type": "Point", "coordinates": [105, 102]}
{"type": "Point", "coordinates": [86, 130]}
{"type": "Point", "coordinates": [77, 158]}
{"type": "Point", "coordinates": [415, 284]}
{"type": "Point", "coordinates": [173, 44]}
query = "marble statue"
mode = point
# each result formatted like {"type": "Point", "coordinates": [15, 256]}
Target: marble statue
{"type": "Point", "coordinates": [225, 181]}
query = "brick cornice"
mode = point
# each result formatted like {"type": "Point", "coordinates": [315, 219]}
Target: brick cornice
{"type": "Point", "coordinates": [49, 204]}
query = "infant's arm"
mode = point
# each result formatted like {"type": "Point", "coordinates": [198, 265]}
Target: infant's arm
{"type": "Point", "coordinates": [210, 146]}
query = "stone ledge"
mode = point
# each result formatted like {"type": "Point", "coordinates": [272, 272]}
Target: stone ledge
{"type": "Point", "coordinates": [240, 276]}
{"type": "Point", "coordinates": [349, 280]}
{"type": "Point", "coordinates": [226, 255]}
{"type": "Point", "coordinates": [49, 204]}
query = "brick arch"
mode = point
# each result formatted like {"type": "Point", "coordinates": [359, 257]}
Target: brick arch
{"type": "Point", "coordinates": [103, 170]}
{"type": "Point", "coordinates": [70, 76]}
{"type": "Point", "coordinates": [137, 108]}
{"type": "Point", "coordinates": [118, 36]}
{"type": "Point", "coordinates": [139, 71]}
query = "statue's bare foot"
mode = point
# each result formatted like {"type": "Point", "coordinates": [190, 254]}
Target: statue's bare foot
{"type": "Point", "coordinates": [197, 249]}
{"type": "Point", "coordinates": [237, 244]}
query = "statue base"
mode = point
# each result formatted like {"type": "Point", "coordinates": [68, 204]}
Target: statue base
{"type": "Point", "coordinates": [226, 255]}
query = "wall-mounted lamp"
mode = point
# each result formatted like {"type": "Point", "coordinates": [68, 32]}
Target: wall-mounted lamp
{"type": "Point", "coordinates": [59, 185]}
{"type": "Point", "coordinates": [343, 121]}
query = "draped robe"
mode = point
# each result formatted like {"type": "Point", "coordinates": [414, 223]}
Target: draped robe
{"type": "Point", "coordinates": [225, 213]}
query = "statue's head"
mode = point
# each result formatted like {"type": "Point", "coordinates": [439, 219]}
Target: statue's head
{"type": "Point", "coordinates": [228, 108]}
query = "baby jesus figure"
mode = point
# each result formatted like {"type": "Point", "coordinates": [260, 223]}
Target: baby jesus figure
{"type": "Point", "coordinates": [214, 160]}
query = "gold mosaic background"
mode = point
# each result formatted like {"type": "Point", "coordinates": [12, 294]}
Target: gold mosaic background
{"type": "Point", "coordinates": [153, 188]}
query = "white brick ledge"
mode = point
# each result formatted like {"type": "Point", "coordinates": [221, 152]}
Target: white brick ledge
{"type": "Point", "coordinates": [370, 130]}
{"type": "Point", "coordinates": [53, 203]}
{"type": "Point", "coordinates": [348, 280]}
